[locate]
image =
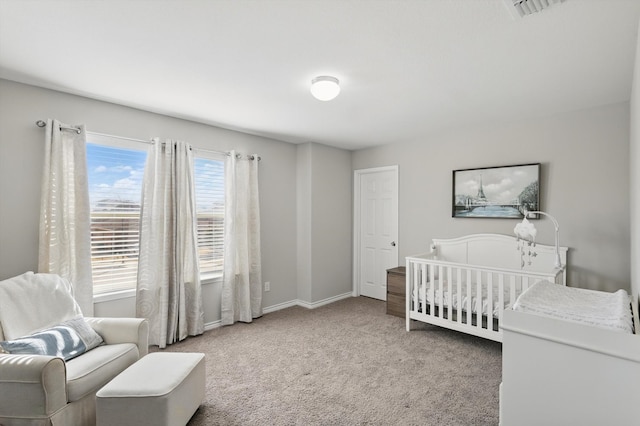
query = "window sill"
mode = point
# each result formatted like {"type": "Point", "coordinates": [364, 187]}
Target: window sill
{"type": "Point", "coordinates": [205, 279]}
{"type": "Point", "coordinates": [211, 278]}
{"type": "Point", "coordinates": [114, 295]}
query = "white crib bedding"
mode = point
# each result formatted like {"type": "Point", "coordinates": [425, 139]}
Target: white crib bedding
{"type": "Point", "coordinates": [474, 297]}
{"type": "Point", "coordinates": [601, 309]}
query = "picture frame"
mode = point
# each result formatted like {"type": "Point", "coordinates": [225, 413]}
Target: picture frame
{"type": "Point", "coordinates": [502, 192]}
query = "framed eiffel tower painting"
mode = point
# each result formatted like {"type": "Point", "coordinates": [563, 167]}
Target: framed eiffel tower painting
{"type": "Point", "coordinates": [503, 192]}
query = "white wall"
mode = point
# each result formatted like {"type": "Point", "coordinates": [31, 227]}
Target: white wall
{"type": "Point", "coordinates": [304, 220]}
{"type": "Point", "coordinates": [331, 222]}
{"type": "Point", "coordinates": [324, 222]}
{"type": "Point", "coordinates": [584, 184]}
{"type": "Point", "coordinates": [21, 157]}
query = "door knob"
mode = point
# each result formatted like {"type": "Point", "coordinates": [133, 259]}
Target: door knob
{"type": "Point", "coordinates": [393, 243]}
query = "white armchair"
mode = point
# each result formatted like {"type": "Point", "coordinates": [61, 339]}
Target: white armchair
{"type": "Point", "coordinates": [44, 389]}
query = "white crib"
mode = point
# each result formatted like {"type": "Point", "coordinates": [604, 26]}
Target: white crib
{"type": "Point", "coordinates": [466, 283]}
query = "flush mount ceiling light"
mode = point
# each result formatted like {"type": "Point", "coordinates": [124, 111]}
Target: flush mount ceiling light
{"type": "Point", "coordinates": [325, 87]}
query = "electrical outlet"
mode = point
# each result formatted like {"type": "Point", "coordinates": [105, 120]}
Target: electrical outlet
{"type": "Point", "coordinates": [267, 286]}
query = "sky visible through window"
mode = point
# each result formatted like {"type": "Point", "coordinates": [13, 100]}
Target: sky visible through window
{"type": "Point", "coordinates": [115, 175]}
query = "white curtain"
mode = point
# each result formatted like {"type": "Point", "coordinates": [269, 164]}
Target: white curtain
{"type": "Point", "coordinates": [168, 292]}
{"type": "Point", "coordinates": [65, 214]}
{"type": "Point", "coordinates": [242, 280]}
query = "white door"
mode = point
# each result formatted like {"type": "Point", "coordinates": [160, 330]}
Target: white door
{"type": "Point", "coordinates": [376, 228]}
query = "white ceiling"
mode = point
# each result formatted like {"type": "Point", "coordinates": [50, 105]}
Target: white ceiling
{"type": "Point", "coordinates": [408, 69]}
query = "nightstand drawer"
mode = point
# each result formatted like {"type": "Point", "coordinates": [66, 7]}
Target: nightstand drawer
{"type": "Point", "coordinates": [396, 285]}
{"type": "Point", "coordinates": [396, 305]}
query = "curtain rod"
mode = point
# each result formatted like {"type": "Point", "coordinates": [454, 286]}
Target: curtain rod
{"type": "Point", "coordinates": [41, 123]}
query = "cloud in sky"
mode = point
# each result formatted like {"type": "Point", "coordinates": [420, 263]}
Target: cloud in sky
{"type": "Point", "coordinates": [116, 176]}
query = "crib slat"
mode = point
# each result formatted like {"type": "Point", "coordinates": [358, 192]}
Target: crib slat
{"type": "Point", "coordinates": [449, 301]}
{"type": "Point", "coordinates": [512, 288]}
{"type": "Point", "coordinates": [431, 289]}
{"type": "Point", "coordinates": [408, 305]}
{"type": "Point", "coordinates": [420, 289]}
{"type": "Point", "coordinates": [459, 295]}
{"type": "Point", "coordinates": [415, 282]}
{"type": "Point", "coordinates": [469, 312]}
{"type": "Point", "coordinates": [489, 300]}
{"type": "Point", "coordinates": [414, 285]}
{"type": "Point", "coordinates": [479, 285]}
{"type": "Point", "coordinates": [440, 277]}
{"type": "Point", "coordinates": [500, 297]}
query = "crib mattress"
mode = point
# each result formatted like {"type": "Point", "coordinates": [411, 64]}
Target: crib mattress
{"type": "Point", "coordinates": [597, 308]}
{"type": "Point", "coordinates": [483, 306]}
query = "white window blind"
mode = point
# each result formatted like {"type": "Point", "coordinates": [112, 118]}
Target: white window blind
{"type": "Point", "coordinates": [116, 168]}
{"type": "Point", "coordinates": [209, 183]}
{"type": "Point", "coordinates": [115, 171]}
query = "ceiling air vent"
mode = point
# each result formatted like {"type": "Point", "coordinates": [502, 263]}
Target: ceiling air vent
{"type": "Point", "coordinates": [522, 8]}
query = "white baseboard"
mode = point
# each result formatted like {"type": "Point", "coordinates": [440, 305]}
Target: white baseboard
{"type": "Point", "coordinates": [211, 325]}
{"type": "Point", "coordinates": [297, 302]}
{"type": "Point", "coordinates": [279, 306]}
{"type": "Point", "coordinates": [313, 305]}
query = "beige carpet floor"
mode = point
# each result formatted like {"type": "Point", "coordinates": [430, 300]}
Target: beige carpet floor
{"type": "Point", "coordinates": [347, 363]}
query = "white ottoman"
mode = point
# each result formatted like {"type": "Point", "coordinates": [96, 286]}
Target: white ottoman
{"type": "Point", "coordinates": [162, 388]}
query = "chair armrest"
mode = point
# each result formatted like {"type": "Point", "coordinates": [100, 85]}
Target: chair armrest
{"type": "Point", "coordinates": [31, 385]}
{"type": "Point", "coordinates": [123, 330]}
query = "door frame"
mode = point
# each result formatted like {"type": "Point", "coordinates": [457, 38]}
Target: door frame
{"type": "Point", "coordinates": [357, 179]}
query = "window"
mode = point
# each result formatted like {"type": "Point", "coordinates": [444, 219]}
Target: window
{"type": "Point", "coordinates": [209, 182]}
{"type": "Point", "coordinates": [116, 168]}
